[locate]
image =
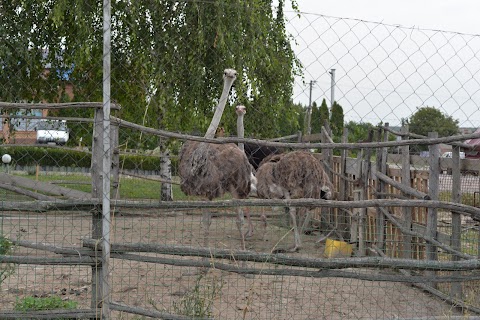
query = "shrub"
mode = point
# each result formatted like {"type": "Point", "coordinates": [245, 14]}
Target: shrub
{"type": "Point", "coordinates": [58, 157]}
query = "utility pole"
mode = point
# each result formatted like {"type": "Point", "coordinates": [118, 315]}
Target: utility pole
{"type": "Point", "coordinates": [309, 109]}
{"type": "Point", "coordinates": [332, 88]}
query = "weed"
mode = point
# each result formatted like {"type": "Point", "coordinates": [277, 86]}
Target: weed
{"type": "Point", "coordinates": [199, 301]}
{"type": "Point", "coordinates": [6, 269]}
{"type": "Point", "coordinates": [5, 246]}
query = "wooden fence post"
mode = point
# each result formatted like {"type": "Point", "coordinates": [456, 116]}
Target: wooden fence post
{"type": "Point", "coordinates": [327, 156]}
{"type": "Point", "coordinates": [354, 238]}
{"type": "Point", "coordinates": [362, 217]}
{"type": "Point", "coordinates": [407, 212]}
{"type": "Point", "coordinates": [115, 162]}
{"type": "Point", "coordinates": [380, 188]}
{"type": "Point", "coordinates": [364, 168]}
{"type": "Point", "coordinates": [456, 287]}
{"type": "Point", "coordinates": [357, 195]}
{"type": "Point", "coordinates": [433, 183]}
{"type": "Point", "coordinates": [342, 190]}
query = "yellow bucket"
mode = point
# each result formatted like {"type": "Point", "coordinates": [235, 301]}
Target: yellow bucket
{"type": "Point", "coordinates": [337, 249]}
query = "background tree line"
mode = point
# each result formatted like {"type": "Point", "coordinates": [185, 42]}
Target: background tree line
{"type": "Point", "coordinates": [167, 65]}
{"type": "Point", "coordinates": [167, 59]}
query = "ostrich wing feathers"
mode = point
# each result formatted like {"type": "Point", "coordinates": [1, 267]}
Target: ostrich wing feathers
{"type": "Point", "coordinates": [210, 170]}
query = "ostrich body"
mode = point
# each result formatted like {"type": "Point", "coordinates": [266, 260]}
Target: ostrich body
{"type": "Point", "coordinates": [210, 170]}
{"type": "Point", "coordinates": [293, 175]}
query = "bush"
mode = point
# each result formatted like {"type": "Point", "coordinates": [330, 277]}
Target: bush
{"type": "Point", "coordinates": [30, 156]}
{"type": "Point", "coordinates": [58, 157]}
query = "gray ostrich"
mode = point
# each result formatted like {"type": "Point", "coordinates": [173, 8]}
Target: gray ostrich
{"type": "Point", "coordinates": [210, 170]}
{"type": "Point", "coordinates": [293, 175]}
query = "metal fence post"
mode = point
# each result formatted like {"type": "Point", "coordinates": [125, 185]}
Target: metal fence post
{"type": "Point", "coordinates": [107, 161]}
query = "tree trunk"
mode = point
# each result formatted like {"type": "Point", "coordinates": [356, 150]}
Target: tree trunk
{"type": "Point", "coordinates": [166, 191]}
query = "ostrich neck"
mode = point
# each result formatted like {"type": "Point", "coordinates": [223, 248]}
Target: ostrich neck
{"type": "Point", "coordinates": [219, 110]}
{"type": "Point", "coordinates": [240, 131]}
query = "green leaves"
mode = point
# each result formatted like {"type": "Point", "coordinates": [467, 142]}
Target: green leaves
{"type": "Point", "coordinates": [167, 59]}
{"type": "Point", "coordinates": [336, 120]}
{"type": "Point", "coordinates": [429, 119]}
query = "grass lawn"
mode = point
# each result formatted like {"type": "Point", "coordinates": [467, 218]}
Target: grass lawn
{"type": "Point", "coordinates": [130, 188]}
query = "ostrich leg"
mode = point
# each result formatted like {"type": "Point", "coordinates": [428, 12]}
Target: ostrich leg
{"type": "Point", "coordinates": [303, 219]}
{"type": "Point", "coordinates": [206, 222]}
{"type": "Point", "coordinates": [263, 218]}
{"type": "Point", "coordinates": [298, 240]}
{"type": "Point", "coordinates": [249, 232]}
{"type": "Point", "coordinates": [240, 223]}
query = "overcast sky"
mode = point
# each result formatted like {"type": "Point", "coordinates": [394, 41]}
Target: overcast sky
{"type": "Point", "coordinates": [383, 72]}
{"type": "Point", "coordinates": [449, 15]}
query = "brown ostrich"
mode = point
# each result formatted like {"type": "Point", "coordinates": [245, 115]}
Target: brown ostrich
{"type": "Point", "coordinates": [293, 175]}
{"type": "Point", "coordinates": [210, 170]}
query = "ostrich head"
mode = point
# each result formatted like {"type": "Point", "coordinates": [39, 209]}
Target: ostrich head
{"type": "Point", "coordinates": [229, 76]}
{"type": "Point", "coordinates": [220, 132]}
{"type": "Point", "coordinates": [240, 110]}
{"type": "Point", "coordinates": [326, 190]}
{"type": "Point", "coordinates": [325, 193]}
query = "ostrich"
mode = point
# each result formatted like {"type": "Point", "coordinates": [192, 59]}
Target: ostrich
{"type": "Point", "coordinates": [210, 170]}
{"type": "Point", "coordinates": [241, 111]}
{"type": "Point", "coordinates": [293, 175]}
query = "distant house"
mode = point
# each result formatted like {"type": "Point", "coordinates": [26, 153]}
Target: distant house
{"type": "Point", "coordinates": [14, 130]}
{"type": "Point", "coordinates": [20, 130]}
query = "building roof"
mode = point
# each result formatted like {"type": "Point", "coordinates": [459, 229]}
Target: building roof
{"type": "Point", "coordinates": [474, 142]}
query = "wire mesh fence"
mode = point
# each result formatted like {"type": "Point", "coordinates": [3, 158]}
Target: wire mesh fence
{"type": "Point", "coordinates": [398, 238]}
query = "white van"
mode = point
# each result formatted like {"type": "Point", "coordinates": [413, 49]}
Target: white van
{"type": "Point", "coordinates": [52, 131]}
{"type": "Point", "coordinates": [449, 155]}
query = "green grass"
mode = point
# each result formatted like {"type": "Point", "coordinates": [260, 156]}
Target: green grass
{"type": "Point", "coordinates": [470, 242]}
{"type": "Point", "coordinates": [130, 188]}
{"type": "Point", "coordinates": [48, 303]}
{"type": "Point", "coordinates": [467, 198]}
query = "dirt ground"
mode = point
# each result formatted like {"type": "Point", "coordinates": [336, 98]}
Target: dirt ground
{"type": "Point", "coordinates": [171, 288]}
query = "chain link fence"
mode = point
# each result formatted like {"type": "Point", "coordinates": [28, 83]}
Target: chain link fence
{"type": "Point", "coordinates": [399, 238]}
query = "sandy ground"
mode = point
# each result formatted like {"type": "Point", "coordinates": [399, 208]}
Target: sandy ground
{"type": "Point", "coordinates": [169, 288]}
